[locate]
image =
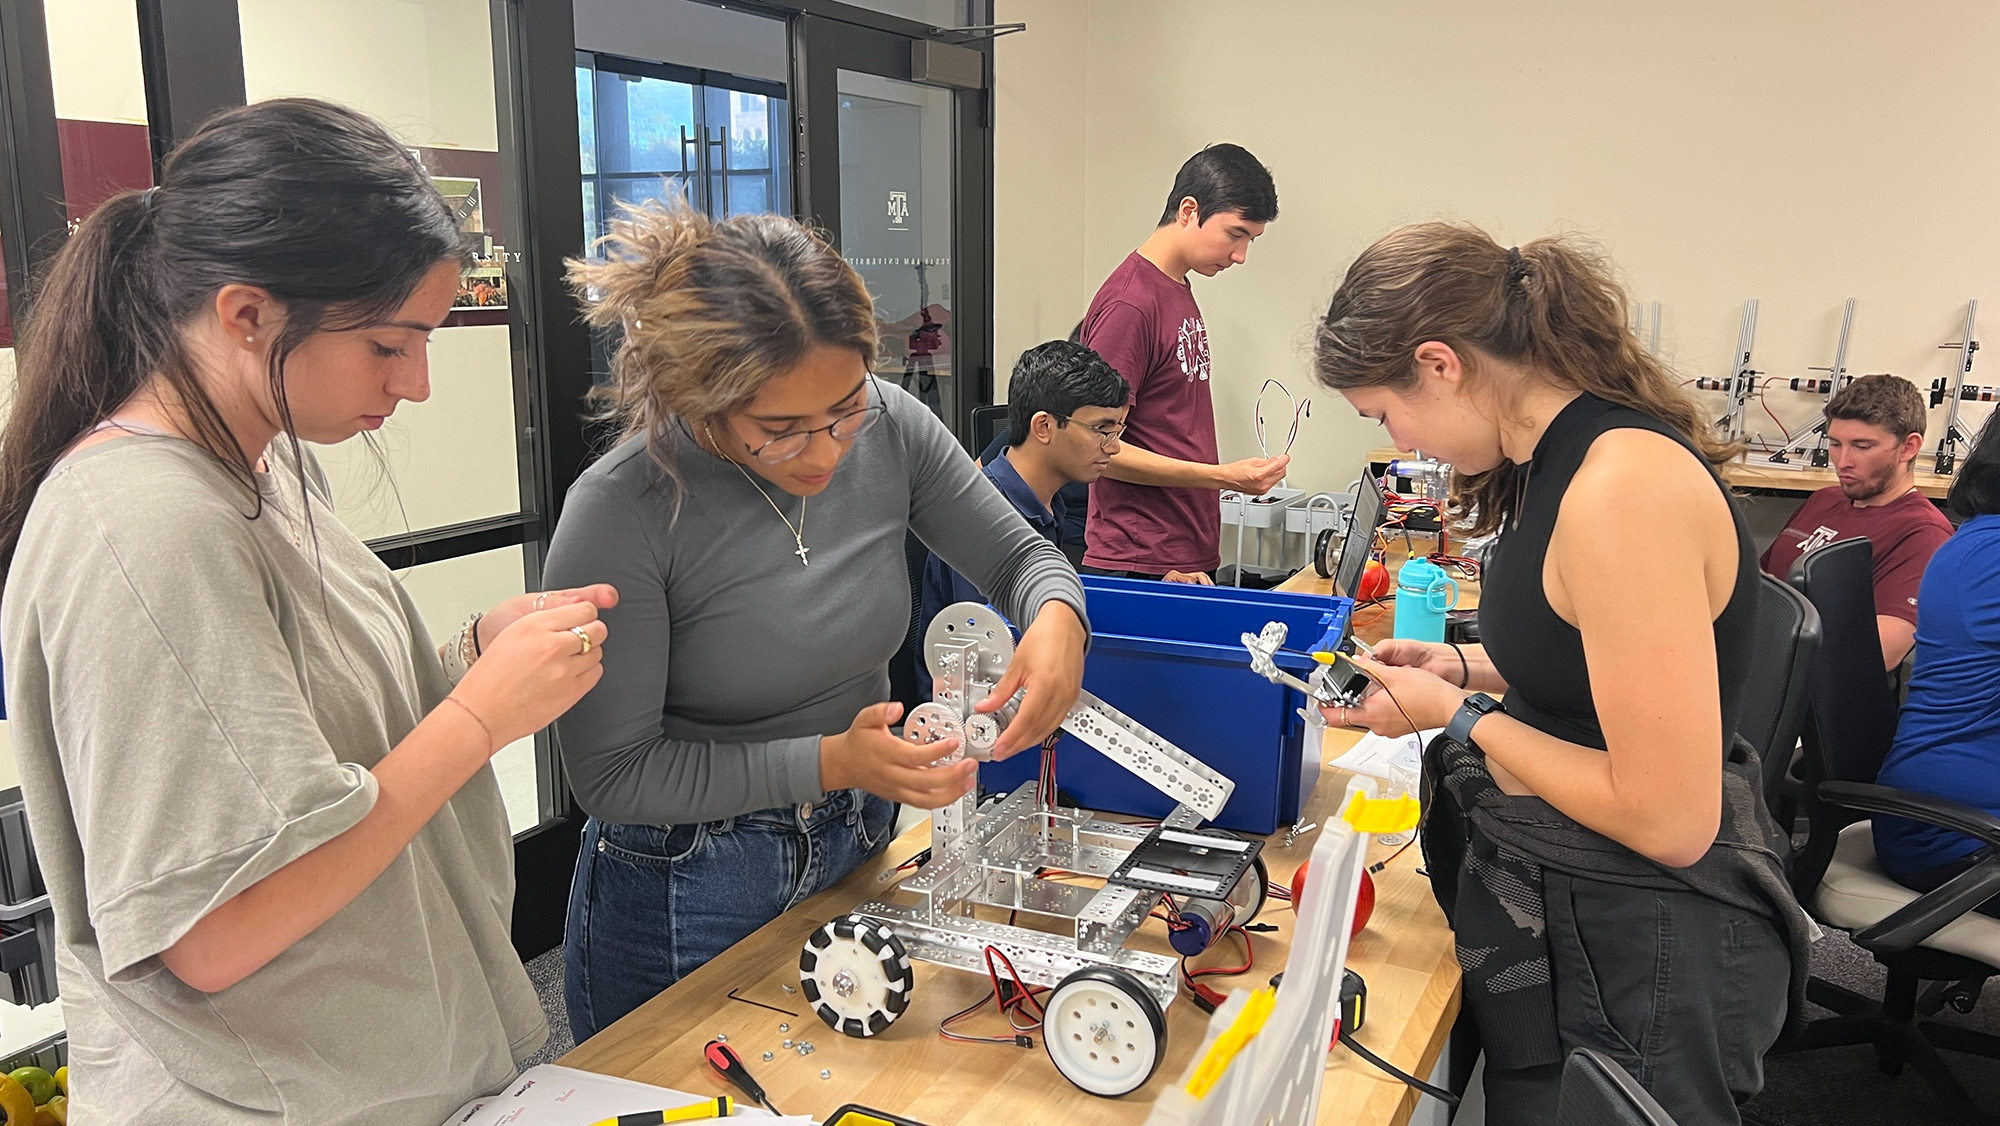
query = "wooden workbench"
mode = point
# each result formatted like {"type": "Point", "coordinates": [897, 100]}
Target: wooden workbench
{"type": "Point", "coordinates": [1405, 955]}
{"type": "Point", "coordinates": [1762, 476]}
{"type": "Point", "coordinates": [1759, 475]}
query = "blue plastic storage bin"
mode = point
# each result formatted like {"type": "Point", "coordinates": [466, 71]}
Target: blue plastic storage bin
{"type": "Point", "coordinates": [1171, 656]}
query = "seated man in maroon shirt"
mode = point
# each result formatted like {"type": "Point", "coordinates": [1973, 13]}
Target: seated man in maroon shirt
{"type": "Point", "coordinates": [1874, 428]}
{"type": "Point", "coordinates": [1156, 512]}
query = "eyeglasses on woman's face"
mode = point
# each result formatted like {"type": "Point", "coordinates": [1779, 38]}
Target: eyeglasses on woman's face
{"type": "Point", "coordinates": [844, 429]}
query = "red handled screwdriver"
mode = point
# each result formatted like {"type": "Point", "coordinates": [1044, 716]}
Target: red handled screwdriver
{"type": "Point", "coordinates": [725, 1061]}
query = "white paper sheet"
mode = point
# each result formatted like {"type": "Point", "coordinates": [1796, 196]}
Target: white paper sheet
{"type": "Point", "coordinates": [1377, 755]}
{"type": "Point", "coordinates": [563, 1096]}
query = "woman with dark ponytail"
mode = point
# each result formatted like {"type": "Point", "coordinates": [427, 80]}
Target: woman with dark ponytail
{"type": "Point", "coordinates": [260, 796]}
{"type": "Point", "coordinates": [1598, 839]}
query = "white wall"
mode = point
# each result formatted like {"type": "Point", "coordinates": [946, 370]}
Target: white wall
{"type": "Point", "coordinates": [1800, 153]}
{"type": "Point", "coordinates": [94, 60]}
{"type": "Point", "coordinates": [423, 66]}
{"type": "Point", "coordinates": [1041, 286]}
{"type": "Point", "coordinates": [449, 459]}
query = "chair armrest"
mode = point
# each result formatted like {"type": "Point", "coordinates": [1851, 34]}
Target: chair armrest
{"type": "Point", "coordinates": [1924, 916]}
{"type": "Point", "coordinates": [1933, 910]}
{"type": "Point", "coordinates": [1927, 808]}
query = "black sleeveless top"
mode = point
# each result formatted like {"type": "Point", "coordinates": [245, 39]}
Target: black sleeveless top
{"type": "Point", "coordinates": [1535, 651]}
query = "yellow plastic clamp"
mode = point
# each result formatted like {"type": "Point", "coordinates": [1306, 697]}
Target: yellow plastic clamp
{"type": "Point", "coordinates": [1382, 815]}
{"type": "Point", "coordinates": [1233, 1039]}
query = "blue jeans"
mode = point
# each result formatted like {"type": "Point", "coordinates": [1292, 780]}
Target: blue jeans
{"type": "Point", "coordinates": [651, 903]}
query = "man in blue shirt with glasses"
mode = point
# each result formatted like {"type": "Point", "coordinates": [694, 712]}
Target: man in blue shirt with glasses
{"type": "Point", "coordinates": [1065, 411]}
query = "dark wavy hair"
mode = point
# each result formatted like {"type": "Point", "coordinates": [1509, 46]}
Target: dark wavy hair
{"type": "Point", "coordinates": [314, 203]}
{"type": "Point", "coordinates": [1061, 378]}
{"type": "Point", "coordinates": [1975, 488]}
{"type": "Point", "coordinates": [711, 310]}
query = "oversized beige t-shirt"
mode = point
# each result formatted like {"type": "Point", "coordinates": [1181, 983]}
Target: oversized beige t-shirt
{"type": "Point", "coordinates": [196, 700]}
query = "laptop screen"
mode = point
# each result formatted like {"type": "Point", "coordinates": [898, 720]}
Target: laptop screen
{"type": "Point", "coordinates": [1368, 506]}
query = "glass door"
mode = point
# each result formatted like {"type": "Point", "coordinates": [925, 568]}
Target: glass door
{"type": "Point", "coordinates": [897, 226]}
{"type": "Point", "coordinates": [650, 130]}
{"type": "Point", "coordinates": [900, 180]}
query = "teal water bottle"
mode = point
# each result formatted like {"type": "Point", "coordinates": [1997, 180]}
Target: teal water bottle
{"type": "Point", "coordinates": [1423, 594]}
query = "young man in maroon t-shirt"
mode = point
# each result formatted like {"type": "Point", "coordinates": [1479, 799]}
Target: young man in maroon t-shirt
{"type": "Point", "coordinates": [1874, 428]}
{"type": "Point", "coordinates": [1156, 512]}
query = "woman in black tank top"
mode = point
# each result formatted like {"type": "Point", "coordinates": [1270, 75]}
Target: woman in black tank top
{"type": "Point", "coordinates": [1598, 840]}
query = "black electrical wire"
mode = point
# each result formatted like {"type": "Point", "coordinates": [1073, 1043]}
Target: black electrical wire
{"type": "Point", "coordinates": [1438, 1093]}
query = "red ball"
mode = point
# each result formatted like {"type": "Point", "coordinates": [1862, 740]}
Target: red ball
{"type": "Point", "coordinates": [1375, 582]}
{"type": "Point", "coordinates": [1364, 902]}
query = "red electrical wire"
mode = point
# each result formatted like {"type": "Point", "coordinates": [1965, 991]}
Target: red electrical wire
{"type": "Point", "coordinates": [1207, 995]}
{"type": "Point", "coordinates": [1023, 998]}
{"type": "Point", "coordinates": [1766, 404]}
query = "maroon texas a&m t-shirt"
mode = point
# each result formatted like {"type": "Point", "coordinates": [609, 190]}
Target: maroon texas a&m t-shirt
{"type": "Point", "coordinates": [1147, 326]}
{"type": "Point", "coordinates": [1903, 532]}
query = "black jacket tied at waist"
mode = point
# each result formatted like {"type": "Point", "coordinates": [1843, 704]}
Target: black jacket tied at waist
{"type": "Point", "coordinates": [1489, 854]}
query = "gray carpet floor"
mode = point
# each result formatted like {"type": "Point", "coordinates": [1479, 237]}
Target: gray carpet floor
{"type": "Point", "coordinates": [546, 972]}
{"type": "Point", "coordinates": [1843, 1085]}
{"type": "Point", "coordinates": [1834, 1085]}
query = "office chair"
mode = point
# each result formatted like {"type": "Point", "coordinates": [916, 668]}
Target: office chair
{"type": "Point", "coordinates": [987, 423]}
{"type": "Point", "coordinates": [1774, 692]}
{"type": "Point", "coordinates": [1598, 1092]}
{"type": "Point", "coordinates": [1918, 937]}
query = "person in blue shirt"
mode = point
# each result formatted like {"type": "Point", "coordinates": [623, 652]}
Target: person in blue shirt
{"type": "Point", "coordinates": [1072, 508]}
{"type": "Point", "coordinates": [1948, 741]}
{"type": "Point", "coordinates": [1065, 411]}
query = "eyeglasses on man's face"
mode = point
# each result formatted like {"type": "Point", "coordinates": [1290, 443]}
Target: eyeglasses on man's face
{"type": "Point", "coordinates": [1105, 432]}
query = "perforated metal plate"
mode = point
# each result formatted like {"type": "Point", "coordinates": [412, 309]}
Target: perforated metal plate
{"type": "Point", "coordinates": [984, 626]}
{"type": "Point", "coordinates": [1203, 862]}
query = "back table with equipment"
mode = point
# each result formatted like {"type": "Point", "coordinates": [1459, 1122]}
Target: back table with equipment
{"type": "Point", "coordinates": [750, 995]}
{"type": "Point", "coordinates": [1755, 475]}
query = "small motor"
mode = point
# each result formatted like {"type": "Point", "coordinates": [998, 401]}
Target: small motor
{"type": "Point", "coordinates": [1199, 923]}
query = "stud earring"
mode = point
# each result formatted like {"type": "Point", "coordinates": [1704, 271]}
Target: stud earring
{"type": "Point", "coordinates": [249, 340]}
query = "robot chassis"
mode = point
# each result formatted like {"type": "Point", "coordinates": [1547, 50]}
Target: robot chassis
{"type": "Point", "coordinates": [1105, 1025]}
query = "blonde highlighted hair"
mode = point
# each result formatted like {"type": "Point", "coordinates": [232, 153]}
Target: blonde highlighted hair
{"type": "Point", "coordinates": [1551, 305]}
{"type": "Point", "coordinates": [710, 310]}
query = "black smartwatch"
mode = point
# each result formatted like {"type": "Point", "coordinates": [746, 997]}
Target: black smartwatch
{"type": "Point", "coordinates": [1476, 705]}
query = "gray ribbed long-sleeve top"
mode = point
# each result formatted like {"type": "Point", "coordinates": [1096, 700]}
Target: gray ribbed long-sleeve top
{"type": "Point", "coordinates": [727, 658]}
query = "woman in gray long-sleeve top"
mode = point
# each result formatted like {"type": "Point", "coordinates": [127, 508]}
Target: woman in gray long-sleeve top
{"type": "Point", "coordinates": [736, 757]}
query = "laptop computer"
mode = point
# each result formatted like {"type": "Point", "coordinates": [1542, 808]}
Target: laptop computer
{"type": "Point", "coordinates": [1369, 508]}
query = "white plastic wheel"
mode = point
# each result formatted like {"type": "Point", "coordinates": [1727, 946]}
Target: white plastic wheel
{"type": "Point", "coordinates": [1251, 892]}
{"type": "Point", "coordinates": [856, 974]}
{"type": "Point", "coordinates": [1104, 1031]}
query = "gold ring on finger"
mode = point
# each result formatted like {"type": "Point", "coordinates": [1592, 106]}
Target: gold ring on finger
{"type": "Point", "coordinates": [583, 637]}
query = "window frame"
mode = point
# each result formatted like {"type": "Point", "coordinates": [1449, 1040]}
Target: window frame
{"type": "Point", "coordinates": [778, 118]}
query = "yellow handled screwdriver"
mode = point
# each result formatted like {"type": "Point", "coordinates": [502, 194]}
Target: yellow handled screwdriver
{"type": "Point", "coordinates": [721, 1106]}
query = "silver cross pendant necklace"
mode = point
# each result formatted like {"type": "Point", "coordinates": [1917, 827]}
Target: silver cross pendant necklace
{"type": "Point", "coordinates": [798, 530]}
